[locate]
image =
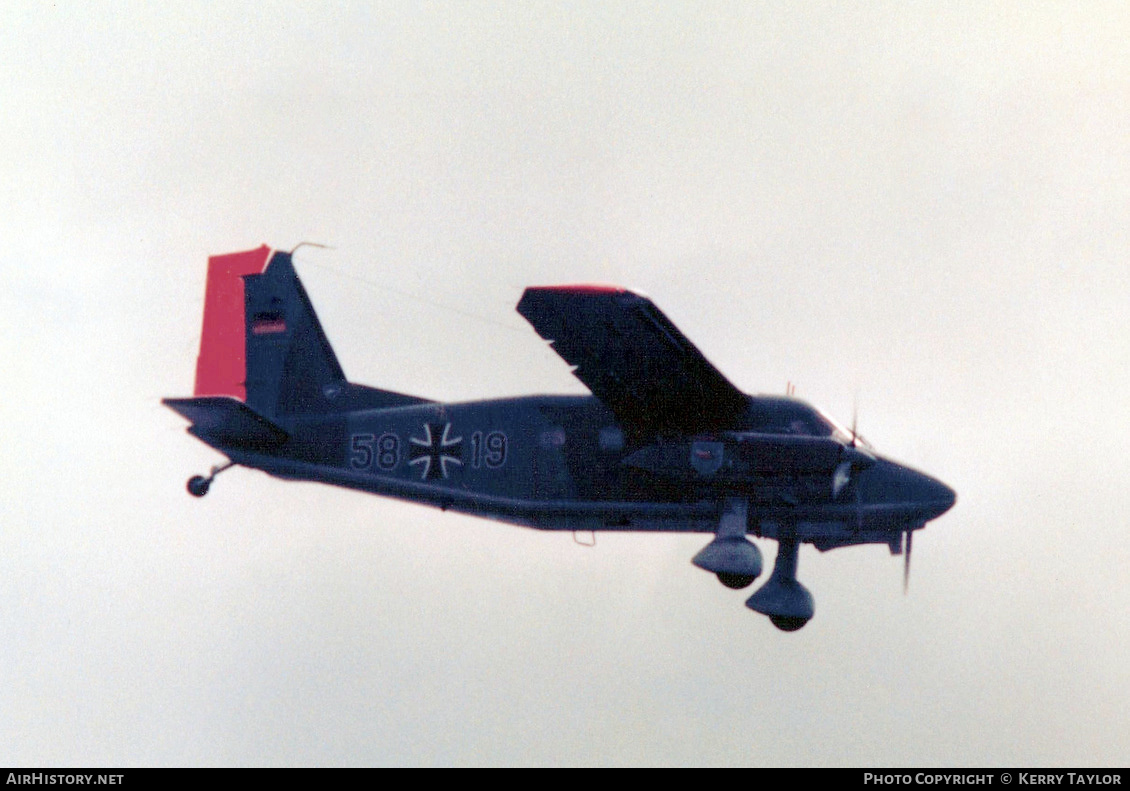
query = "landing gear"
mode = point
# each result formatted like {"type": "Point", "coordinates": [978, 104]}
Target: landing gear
{"type": "Point", "coordinates": [198, 485]}
{"type": "Point", "coordinates": [787, 624]}
{"type": "Point", "coordinates": [788, 604]}
{"type": "Point", "coordinates": [735, 581]}
{"type": "Point", "coordinates": [734, 559]}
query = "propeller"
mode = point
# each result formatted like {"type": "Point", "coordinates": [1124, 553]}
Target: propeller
{"type": "Point", "coordinates": [840, 480]}
{"type": "Point", "coordinates": [858, 509]}
{"type": "Point", "coordinates": [854, 434]}
{"type": "Point", "coordinates": [906, 562]}
{"type": "Point", "coordinates": [856, 438]}
{"type": "Point", "coordinates": [855, 460]}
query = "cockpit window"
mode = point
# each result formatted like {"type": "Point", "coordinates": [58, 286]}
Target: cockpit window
{"type": "Point", "coordinates": [797, 418]}
{"type": "Point", "coordinates": [840, 432]}
{"type": "Point", "coordinates": [791, 417]}
{"type": "Point", "coordinates": [806, 427]}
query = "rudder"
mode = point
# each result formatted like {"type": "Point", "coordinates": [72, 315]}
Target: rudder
{"type": "Point", "coordinates": [261, 341]}
{"type": "Point", "coordinates": [221, 366]}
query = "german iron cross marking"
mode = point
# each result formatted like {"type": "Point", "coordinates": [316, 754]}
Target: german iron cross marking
{"type": "Point", "coordinates": [435, 451]}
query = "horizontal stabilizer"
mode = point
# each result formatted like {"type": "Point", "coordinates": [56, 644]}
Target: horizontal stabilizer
{"type": "Point", "coordinates": [226, 422]}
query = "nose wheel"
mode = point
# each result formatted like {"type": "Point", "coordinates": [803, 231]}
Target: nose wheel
{"type": "Point", "coordinates": [198, 484]}
{"type": "Point", "coordinates": [787, 624]}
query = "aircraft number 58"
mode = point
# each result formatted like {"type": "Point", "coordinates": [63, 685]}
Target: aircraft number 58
{"type": "Point", "coordinates": [366, 448]}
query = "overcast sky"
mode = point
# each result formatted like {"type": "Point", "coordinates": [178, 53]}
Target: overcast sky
{"type": "Point", "coordinates": [922, 204]}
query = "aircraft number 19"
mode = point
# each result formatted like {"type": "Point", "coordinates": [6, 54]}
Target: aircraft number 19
{"type": "Point", "coordinates": [489, 450]}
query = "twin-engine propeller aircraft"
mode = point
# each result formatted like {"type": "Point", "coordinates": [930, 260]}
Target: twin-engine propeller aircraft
{"type": "Point", "coordinates": [665, 443]}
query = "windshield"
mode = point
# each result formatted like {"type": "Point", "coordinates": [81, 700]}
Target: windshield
{"type": "Point", "coordinates": [841, 432]}
{"type": "Point", "coordinates": [771, 415]}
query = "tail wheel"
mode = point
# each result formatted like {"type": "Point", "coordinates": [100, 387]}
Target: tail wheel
{"type": "Point", "coordinates": [198, 485]}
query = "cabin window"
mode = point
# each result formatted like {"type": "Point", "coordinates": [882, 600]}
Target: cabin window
{"type": "Point", "coordinates": [552, 438]}
{"type": "Point", "coordinates": [611, 439]}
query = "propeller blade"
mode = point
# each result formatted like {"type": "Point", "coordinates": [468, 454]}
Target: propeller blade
{"type": "Point", "coordinates": [858, 508]}
{"type": "Point", "coordinates": [906, 562]}
{"type": "Point", "coordinates": [841, 478]}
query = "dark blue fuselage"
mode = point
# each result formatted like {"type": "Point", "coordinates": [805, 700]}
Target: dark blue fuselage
{"type": "Point", "coordinates": [563, 463]}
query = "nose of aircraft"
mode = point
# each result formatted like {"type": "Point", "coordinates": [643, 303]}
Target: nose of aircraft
{"type": "Point", "coordinates": [936, 497]}
{"type": "Point", "coordinates": [922, 498]}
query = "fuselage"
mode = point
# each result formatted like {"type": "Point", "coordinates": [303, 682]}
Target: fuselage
{"type": "Point", "coordinates": [563, 463]}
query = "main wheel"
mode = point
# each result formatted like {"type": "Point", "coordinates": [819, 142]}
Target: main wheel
{"type": "Point", "coordinates": [735, 581]}
{"type": "Point", "coordinates": [198, 485]}
{"type": "Point", "coordinates": [787, 624]}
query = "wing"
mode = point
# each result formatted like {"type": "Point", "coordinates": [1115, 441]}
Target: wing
{"type": "Point", "coordinates": [633, 359]}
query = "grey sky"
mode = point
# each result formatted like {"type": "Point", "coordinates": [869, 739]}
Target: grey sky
{"type": "Point", "coordinates": [927, 206]}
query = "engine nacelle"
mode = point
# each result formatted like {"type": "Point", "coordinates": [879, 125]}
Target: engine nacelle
{"type": "Point", "coordinates": [743, 456]}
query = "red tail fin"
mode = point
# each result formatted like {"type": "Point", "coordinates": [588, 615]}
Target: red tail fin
{"type": "Point", "coordinates": [221, 368]}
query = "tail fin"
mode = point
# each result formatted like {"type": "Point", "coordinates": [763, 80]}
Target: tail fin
{"type": "Point", "coordinates": [262, 343]}
{"type": "Point", "coordinates": [291, 366]}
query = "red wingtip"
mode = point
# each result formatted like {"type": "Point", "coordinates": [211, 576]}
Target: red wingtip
{"type": "Point", "coordinates": [582, 288]}
{"type": "Point", "coordinates": [221, 368]}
